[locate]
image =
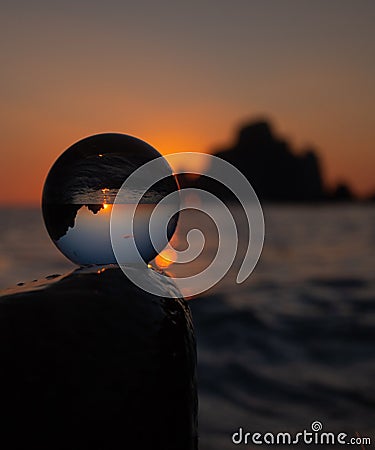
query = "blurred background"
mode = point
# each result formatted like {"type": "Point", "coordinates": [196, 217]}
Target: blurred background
{"type": "Point", "coordinates": [281, 89]}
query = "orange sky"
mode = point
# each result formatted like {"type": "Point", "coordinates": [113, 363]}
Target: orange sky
{"type": "Point", "coordinates": [183, 78]}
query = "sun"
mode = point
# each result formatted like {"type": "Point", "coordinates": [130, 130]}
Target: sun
{"type": "Point", "coordinates": [166, 258]}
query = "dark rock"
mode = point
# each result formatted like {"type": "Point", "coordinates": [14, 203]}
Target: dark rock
{"type": "Point", "coordinates": [90, 361]}
{"type": "Point", "coordinates": [342, 192]}
{"type": "Point", "coordinates": [276, 172]}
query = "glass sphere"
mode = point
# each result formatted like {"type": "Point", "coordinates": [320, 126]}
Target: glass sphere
{"type": "Point", "coordinates": [80, 192]}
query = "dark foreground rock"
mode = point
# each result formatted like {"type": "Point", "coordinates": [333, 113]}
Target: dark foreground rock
{"type": "Point", "coordinates": [89, 361]}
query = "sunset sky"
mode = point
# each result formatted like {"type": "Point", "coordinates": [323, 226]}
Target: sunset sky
{"type": "Point", "coordinates": [183, 76]}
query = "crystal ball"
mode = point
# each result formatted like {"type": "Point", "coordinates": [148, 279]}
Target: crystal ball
{"type": "Point", "coordinates": [80, 192]}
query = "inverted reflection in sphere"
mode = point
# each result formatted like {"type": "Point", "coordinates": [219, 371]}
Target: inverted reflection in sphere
{"type": "Point", "coordinates": [80, 191]}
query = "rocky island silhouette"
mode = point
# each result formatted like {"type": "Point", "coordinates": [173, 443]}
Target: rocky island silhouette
{"type": "Point", "coordinates": [276, 172]}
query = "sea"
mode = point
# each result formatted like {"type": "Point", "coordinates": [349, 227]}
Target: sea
{"type": "Point", "coordinates": [290, 349]}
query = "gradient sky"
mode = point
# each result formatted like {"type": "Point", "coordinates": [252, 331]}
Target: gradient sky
{"type": "Point", "coordinates": [183, 76]}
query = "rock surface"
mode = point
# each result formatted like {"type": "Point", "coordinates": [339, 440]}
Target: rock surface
{"type": "Point", "coordinates": [89, 361]}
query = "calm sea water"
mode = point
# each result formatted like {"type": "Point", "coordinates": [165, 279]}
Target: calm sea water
{"type": "Point", "coordinates": [293, 344]}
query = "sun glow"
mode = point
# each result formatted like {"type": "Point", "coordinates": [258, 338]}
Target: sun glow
{"type": "Point", "coordinates": [166, 258]}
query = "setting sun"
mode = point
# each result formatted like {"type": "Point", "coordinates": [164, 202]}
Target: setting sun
{"type": "Point", "coordinates": [166, 258]}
